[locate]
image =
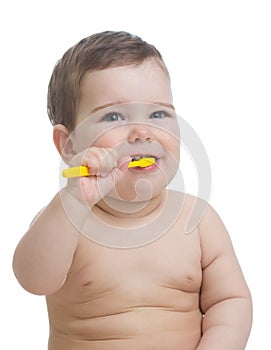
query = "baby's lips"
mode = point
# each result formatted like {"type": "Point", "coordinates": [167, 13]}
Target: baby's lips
{"type": "Point", "coordinates": [123, 162]}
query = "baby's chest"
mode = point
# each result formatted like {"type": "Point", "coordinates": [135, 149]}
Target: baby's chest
{"type": "Point", "coordinates": [173, 262]}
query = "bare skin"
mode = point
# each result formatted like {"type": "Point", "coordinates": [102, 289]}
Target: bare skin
{"type": "Point", "coordinates": [149, 297]}
{"type": "Point", "coordinates": [138, 298]}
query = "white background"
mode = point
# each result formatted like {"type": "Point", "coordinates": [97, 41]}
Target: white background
{"type": "Point", "coordinates": [218, 54]}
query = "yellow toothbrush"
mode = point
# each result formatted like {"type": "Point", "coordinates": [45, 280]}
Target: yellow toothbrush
{"type": "Point", "coordinates": [82, 170]}
{"type": "Point", "coordinates": [142, 162]}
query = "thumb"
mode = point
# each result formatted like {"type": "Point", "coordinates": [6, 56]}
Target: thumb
{"type": "Point", "coordinates": [107, 184]}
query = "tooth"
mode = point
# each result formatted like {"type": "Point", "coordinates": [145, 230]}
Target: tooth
{"type": "Point", "coordinates": [135, 158]}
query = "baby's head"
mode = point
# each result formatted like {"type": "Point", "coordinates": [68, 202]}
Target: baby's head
{"type": "Point", "coordinates": [95, 53]}
{"type": "Point", "coordinates": [112, 90]}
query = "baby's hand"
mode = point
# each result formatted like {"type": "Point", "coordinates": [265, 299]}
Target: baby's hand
{"type": "Point", "coordinates": [103, 165]}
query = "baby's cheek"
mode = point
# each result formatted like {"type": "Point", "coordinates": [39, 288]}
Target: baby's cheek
{"type": "Point", "coordinates": [173, 149]}
{"type": "Point", "coordinates": [108, 140]}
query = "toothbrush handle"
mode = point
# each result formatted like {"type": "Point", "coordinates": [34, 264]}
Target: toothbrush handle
{"type": "Point", "coordinates": [76, 171]}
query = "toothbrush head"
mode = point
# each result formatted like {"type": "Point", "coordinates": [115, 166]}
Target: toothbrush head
{"type": "Point", "coordinates": [142, 162]}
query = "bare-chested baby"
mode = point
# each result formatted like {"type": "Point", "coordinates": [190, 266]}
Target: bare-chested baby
{"type": "Point", "coordinates": [110, 251]}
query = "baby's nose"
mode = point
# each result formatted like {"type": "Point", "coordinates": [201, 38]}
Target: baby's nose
{"type": "Point", "coordinates": [140, 133]}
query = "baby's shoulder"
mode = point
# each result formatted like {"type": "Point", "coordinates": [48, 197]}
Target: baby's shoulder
{"type": "Point", "coordinates": [199, 216]}
{"type": "Point", "coordinates": [193, 208]}
{"type": "Point", "coordinates": [187, 198]}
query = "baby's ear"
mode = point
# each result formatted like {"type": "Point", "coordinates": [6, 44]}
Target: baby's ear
{"type": "Point", "coordinates": [63, 142]}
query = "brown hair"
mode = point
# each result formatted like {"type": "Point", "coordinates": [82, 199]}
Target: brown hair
{"type": "Point", "coordinates": [96, 52]}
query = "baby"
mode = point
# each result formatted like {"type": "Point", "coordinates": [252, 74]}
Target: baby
{"type": "Point", "coordinates": [110, 251]}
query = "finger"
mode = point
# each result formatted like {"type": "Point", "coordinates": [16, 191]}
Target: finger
{"type": "Point", "coordinates": [93, 191]}
{"type": "Point", "coordinates": [88, 191]}
{"type": "Point", "coordinates": [100, 161]}
{"type": "Point", "coordinates": [108, 183]}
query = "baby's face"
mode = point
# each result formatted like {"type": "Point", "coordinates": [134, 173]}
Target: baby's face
{"type": "Point", "coordinates": [130, 108]}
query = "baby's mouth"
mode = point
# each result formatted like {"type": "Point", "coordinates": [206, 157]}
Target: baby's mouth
{"type": "Point", "coordinates": [143, 162]}
{"type": "Point", "coordinates": [138, 157]}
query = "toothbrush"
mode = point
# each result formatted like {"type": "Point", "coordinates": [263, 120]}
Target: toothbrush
{"type": "Point", "coordinates": [142, 162]}
{"type": "Point", "coordinates": [82, 170]}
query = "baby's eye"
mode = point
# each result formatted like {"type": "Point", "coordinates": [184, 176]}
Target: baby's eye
{"type": "Point", "coordinates": [158, 115]}
{"type": "Point", "coordinates": [112, 117]}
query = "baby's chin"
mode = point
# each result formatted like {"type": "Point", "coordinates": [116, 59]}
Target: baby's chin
{"type": "Point", "coordinates": [143, 190]}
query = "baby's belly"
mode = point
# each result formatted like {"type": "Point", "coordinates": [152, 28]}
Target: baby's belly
{"type": "Point", "coordinates": [143, 328]}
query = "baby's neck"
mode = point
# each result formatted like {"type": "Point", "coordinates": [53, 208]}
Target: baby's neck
{"type": "Point", "coordinates": [123, 210]}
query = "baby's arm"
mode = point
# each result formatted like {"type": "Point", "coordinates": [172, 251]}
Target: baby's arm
{"type": "Point", "coordinates": [225, 298]}
{"type": "Point", "coordinates": [43, 256]}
